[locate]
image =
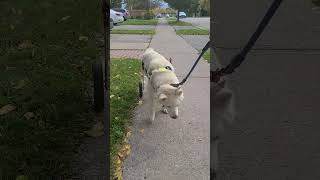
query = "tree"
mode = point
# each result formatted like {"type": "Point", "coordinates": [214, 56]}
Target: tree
{"type": "Point", "coordinates": [181, 5]}
{"type": "Point", "coordinates": [115, 3]}
{"type": "Point", "coordinates": [205, 5]}
{"type": "Point", "coordinates": [136, 4]}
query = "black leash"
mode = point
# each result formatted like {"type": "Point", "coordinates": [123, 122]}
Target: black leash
{"type": "Point", "coordinates": [206, 47]}
{"type": "Point", "coordinates": [239, 58]}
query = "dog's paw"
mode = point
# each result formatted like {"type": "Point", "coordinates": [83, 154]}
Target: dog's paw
{"type": "Point", "coordinates": [165, 111]}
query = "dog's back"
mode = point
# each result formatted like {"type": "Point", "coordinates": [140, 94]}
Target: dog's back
{"type": "Point", "coordinates": [153, 60]}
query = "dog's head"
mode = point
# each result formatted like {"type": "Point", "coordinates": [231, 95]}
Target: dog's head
{"type": "Point", "coordinates": [170, 97]}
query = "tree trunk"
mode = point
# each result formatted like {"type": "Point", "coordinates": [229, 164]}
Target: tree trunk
{"type": "Point", "coordinates": [178, 17]}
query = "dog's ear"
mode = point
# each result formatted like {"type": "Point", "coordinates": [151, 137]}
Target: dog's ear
{"type": "Point", "coordinates": [178, 91]}
{"type": "Point", "coordinates": [162, 97]}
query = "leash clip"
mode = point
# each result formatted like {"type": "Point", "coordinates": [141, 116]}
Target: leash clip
{"type": "Point", "coordinates": [215, 76]}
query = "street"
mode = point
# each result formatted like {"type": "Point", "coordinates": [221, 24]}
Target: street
{"type": "Point", "coordinates": [202, 22]}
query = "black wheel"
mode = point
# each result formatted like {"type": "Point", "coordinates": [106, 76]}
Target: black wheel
{"type": "Point", "coordinates": [140, 89]}
{"type": "Point", "coordinates": [98, 91]}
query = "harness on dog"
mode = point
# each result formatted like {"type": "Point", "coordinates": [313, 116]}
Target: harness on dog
{"type": "Point", "coordinates": [239, 58]}
{"type": "Point", "coordinates": [161, 69]}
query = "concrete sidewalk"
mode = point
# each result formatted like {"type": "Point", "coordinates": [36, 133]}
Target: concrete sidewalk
{"type": "Point", "coordinates": [276, 133]}
{"type": "Point", "coordinates": [172, 149]}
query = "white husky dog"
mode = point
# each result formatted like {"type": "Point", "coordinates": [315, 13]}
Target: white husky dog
{"type": "Point", "coordinates": [223, 113]}
{"type": "Point", "coordinates": [159, 74]}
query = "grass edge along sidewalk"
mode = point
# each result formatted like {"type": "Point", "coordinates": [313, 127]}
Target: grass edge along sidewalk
{"type": "Point", "coordinates": [124, 97]}
{"type": "Point", "coordinates": [196, 31]}
{"type": "Point", "coordinates": [127, 31]}
{"type": "Point", "coordinates": [46, 76]}
{"type": "Point", "coordinates": [140, 22]}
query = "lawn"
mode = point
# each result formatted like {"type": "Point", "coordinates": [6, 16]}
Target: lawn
{"type": "Point", "coordinates": [124, 97]}
{"type": "Point", "coordinates": [174, 22]}
{"type": "Point", "coordinates": [47, 48]}
{"type": "Point", "coordinates": [197, 31]}
{"type": "Point", "coordinates": [141, 32]}
{"type": "Point", "coordinates": [140, 22]}
{"type": "Point", "coordinates": [206, 56]}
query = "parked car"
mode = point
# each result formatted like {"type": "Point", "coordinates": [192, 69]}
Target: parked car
{"type": "Point", "coordinates": [111, 23]}
{"type": "Point", "coordinates": [117, 17]}
{"type": "Point", "coordinates": [182, 14]}
{"type": "Point", "coordinates": [124, 12]}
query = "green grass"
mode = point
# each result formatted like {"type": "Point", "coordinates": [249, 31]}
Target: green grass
{"type": "Point", "coordinates": [206, 56]}
{"type": "Point", "coordinates": [174, 22]}
{"type": "Point", "coordinates": [140, 22]}
{"type": "Point", "coordinates": [192, 32]}
{"type": "Point", "coordinates": [51, 78]}
{"type": "Point", "coordinates": [124, 97]}
{"type": "Point", "coordinates": [141, 32]}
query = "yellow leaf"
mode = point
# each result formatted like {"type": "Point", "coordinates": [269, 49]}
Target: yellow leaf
{"type": "Point", "coordinates": [96, 130]}
{"type": "Point", "coordinates": [25, 45]}
{"type": "Point", "coordinates": [65, 18]}
{"type": "Point", "coordinates": [22, 177]}
{"type": "Point", "coordinates": [83, 38]}
{"type": "Point", "coordinates": [28, 115]}
{"type": "Point", "coordinates": [6, 109]}
{"type": "Point", "coordinates": [141, 131]}
{"type": "Point", "coordinates": [20, 84]}
{"type": "Point", "coordinates": [128, 134]}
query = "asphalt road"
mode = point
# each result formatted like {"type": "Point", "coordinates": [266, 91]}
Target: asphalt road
{"type": "Point", "coordinates": [203, 22]}
{"type": "Point", "coordinates": [276, 133]}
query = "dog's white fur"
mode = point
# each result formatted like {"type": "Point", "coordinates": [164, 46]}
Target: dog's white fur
{"type": "Point", "coordinates": [223, 112]}
{"type": "Point", "coordinates": [158, 90]}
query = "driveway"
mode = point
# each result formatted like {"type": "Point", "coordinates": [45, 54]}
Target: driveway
{"type": "Point", "coordinates": [201, 22]}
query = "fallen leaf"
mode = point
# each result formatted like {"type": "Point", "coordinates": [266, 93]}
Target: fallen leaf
{"type": "Point", "coordinates": [116, 118]}
{"type": "Point", "coordinates": [83, 38]}
{"type": "Point", "coordinates": [140, 102]}
{"type": "Point", "coordinates": [96, 130]}
{"type": "Point", "coordinates": [111, 96]}
{"type": "Point", "coordinates": [22, 177]}
{"type": "Point", "coordinates": [6, 109]}
{"type": "Point", "coordinates": [13, 10]}
{"type": "Point", "coordinates": [119, 97]}
{"type": "Point", "coordinates": [20, 84]}
{"type": "Point", "coordinates": [128, 134]}
{"type": "Point", "coordinates": [29, 115]}
{"type": "Point", "coordinates": [118, 171]}
{"type": "Point", "coordinates": [25, 44]}
{"type": "Point", "coordinates": [124, 151]}
{"type": "Point", "coordinates": [8, 68]}
{"type": "Point", "coordinates": [65, 18]}
{"type": "Point", "coordinates": [141, 131]}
